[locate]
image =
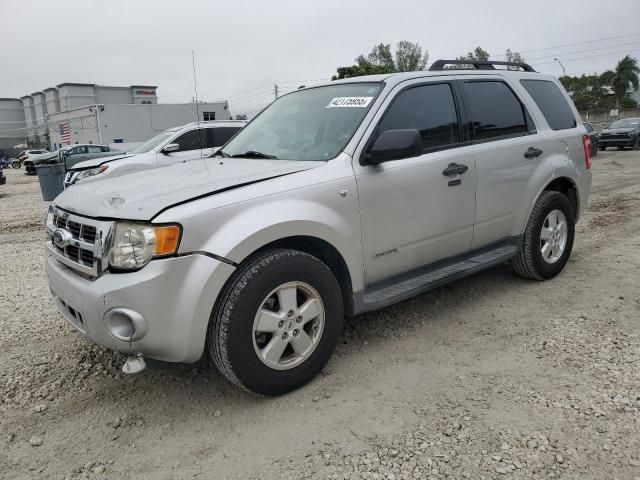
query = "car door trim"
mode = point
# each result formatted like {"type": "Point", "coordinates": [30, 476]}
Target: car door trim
{"type": "Point", "coordinates": [402, 286]}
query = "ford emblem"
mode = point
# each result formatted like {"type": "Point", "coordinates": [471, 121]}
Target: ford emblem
{"type": "Point", "coordinates": [61, 238]}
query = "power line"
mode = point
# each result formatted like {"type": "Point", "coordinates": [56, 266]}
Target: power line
{"type": "Point", "coordinates": [583, 51]}
{"type": "Point", "coordinates": [589, 56]}
{"type": "Point", "coordinates": [576, 43]}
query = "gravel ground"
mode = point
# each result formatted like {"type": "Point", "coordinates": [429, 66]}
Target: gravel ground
{"type": "Point", "coordinates": [490, 377]}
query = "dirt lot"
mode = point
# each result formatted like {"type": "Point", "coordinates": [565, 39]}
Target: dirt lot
{"type": "Point", "coordinates": [490, 377]}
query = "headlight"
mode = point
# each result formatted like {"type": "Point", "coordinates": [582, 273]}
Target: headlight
{"type": "Point", "coordinates": [135, 244]}
{"type": "Point", "coordinates": [92, 172]}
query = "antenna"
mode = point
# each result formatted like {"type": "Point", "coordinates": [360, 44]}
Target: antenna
{"type": "Point", "coordinates": [195, 89]}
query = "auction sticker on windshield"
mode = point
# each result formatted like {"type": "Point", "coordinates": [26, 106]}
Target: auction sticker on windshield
{"type": "Point", "coordinates": [349, 102]}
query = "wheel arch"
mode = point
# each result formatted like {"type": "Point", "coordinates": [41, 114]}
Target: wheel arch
{"type": "Point", "coordinates": [324, 251]}
{"type": "Point", "coordinates": [568, 188]}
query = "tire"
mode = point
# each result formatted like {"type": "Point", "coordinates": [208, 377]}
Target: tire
{"type": "Point", "coordinates": [636, 144]}
{"type": "Point", "coordinates": [232, 340]}
{"type": "Point", "coordinates": [530, 262]}
{"type": "Point", "coordinates": [16, 164]}
{"type": "Point", "coordinates": [620, 148]}
{"type": "Point", "coordinates": [603, 148]}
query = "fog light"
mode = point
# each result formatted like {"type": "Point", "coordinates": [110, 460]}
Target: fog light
{"type": "Point", "coordinates": [125, 324]}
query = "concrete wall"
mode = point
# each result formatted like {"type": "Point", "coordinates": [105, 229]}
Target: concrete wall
{"type": "Point", "coordinates": [132, 123]}
{"type": "Point", "coordinates": [52, 100]}
{"type": "Point", "coordinates": [12, 122]}
{"type": "Point", "coordinates": [110, 95]}
{"type": "Point", "coordinates": [75, 95]}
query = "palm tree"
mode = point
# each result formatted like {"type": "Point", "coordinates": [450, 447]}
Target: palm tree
{"type": "Point", "coordinates": [625, 75]}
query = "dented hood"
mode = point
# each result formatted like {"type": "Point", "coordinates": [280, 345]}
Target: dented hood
{"type": "Point", "coordinates": [141, 195]}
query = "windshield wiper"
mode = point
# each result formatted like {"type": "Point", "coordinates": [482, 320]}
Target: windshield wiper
{"type": "Point", "coordinates": [222, 153]}
{"type": "Point", "coordinates": [254, 154]}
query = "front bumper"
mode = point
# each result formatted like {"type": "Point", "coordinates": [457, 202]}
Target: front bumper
{"type": "Point", "coordinates": [174, 296]}
{"type": "Point", "coordinates": [616, 142]}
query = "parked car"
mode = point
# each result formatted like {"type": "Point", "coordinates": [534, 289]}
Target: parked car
{"type": "Point", "coordinates": [194, 140]}
{"type": "Point", "coordinates": [621, 133]}
{"type": "Point", "coordinates": [30, 165]}
{"type": "Point", "coordinates": [31, 154]}
{"type": "Point", "coordinates": [70, 156]}
{"type": "Point", "coordinates": [336, 200]}
{"type": "Point", "coordinates": [3, 179]}
{"type": "Point", "coordinates": [593, 136]}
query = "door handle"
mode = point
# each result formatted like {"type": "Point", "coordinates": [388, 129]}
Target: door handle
{"type": "Point", "coordinates": [532, 152]}
{"type": "Point", "coordinates": [454, 168]}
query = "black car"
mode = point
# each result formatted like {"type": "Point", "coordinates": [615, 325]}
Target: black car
{"type": "Point", "coordinates": [621, 133]}
{"type": "Point", "coordinates": [593, 136]}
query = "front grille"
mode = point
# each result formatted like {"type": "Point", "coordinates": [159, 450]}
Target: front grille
{"type": "Point", "coordinates": [84, 245]}
{"type": "Point", "coordinates": [615, 137]}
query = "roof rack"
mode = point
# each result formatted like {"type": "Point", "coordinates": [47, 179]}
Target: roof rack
{"type": "Point", "coordinates": [479, 64]}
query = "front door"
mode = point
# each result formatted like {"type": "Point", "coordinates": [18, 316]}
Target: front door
{"type": "Point", "coordinates": [416, 211]}
{"type": "Point", "coordinates": [192, 144]}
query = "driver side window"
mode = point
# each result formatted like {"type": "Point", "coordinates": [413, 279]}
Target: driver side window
{"type": "Point", "coordinates": [191, 140]}
{"type": "Point", "coordinates": [431, 110]}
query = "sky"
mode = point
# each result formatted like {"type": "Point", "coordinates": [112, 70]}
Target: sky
{"type": "Point", "coordinates": [242, 48]}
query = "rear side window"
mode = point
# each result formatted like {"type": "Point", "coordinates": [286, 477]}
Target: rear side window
{"type": "Point", "coordinates": [429, 109]}
{"type": "Point", "coordinates": [495, 110]}
{"type": "Point", "coordinates": [551, 102]}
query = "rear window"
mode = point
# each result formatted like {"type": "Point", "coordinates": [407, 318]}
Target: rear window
{"type": "Point", "coordinates": [552, 103]}
{"type": "Point", "coordinates": [495, 111]}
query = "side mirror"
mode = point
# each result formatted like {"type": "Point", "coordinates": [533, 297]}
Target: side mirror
{"type": "Point", "coordinates": [394, 145]}
{"type": "Point", "coordinates": [171, 147]}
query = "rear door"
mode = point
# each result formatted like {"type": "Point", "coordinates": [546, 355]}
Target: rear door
{"type": "Point", "coordinates": [508, 149]}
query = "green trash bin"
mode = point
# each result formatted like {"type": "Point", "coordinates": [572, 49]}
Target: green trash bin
{"type": "Point", "coordinates": [51, 177]}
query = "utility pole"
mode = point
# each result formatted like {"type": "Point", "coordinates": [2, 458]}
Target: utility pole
{"type": "Point", "coordinates": [275, 90]}
{"type": "Point", "coordinates": [564, 71]}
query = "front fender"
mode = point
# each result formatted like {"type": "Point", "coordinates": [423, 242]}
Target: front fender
{"type": "Point", "coordinates": [236, 231]}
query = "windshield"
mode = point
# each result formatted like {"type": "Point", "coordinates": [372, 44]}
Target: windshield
{"type": "Point", "coordinates": [152, 142]}
{"type": "Point", "coordinates": [313, 124]}
{"type": "Point", "coordinates": [626, 123]}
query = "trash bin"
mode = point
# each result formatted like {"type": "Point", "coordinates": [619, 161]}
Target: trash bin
{"type": "Point", "coordinates": [51, 177]}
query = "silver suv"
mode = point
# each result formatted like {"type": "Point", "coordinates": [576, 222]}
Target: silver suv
{"type": "Point", "coordinates": [336, 200]}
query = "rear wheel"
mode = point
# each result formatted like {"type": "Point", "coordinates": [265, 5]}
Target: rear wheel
{"type": "Point", "coordinates": [16, 164]}
{"type": "Point", "coordinates": [548, 238]}
{"type": "Point", "coordinates": [276, 322]}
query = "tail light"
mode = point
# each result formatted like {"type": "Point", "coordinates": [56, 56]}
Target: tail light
{"type": "Point", "coordinates": [586, 144]}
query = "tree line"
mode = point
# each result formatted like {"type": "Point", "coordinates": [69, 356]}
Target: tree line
{"type": "Point", "coordinates": [589, 92]}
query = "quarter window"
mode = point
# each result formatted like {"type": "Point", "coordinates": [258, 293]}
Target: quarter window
{"type": "Point", "coordinates": [429, 109]}
{"type": "Point", "coordinates": [552, 103]}
{"type": "Point", "coordinates": [495, 110]}
{"type": "Point", "coordinates": [191, 140]}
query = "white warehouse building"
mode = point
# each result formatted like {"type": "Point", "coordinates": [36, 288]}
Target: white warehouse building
{"type": "Point", "coordinates": [87, 113]}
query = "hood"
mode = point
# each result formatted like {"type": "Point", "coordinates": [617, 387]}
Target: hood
{"type": "Point", "coordinates": [617, 130]}
{"type": "Point", "coordinates": [141, 195]}
{"type": "Point", "coordinates": [96, 162]}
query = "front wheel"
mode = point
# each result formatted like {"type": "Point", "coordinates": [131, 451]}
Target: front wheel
{"type": "Point", "coordinates": [276, 323]}
{"type": "Point", "coordinates": [16, 164]}
{"type": "Point", "coordinates": [548, 238]}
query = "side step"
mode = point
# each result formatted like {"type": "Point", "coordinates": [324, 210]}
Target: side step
{"type": "Point", "coordinates": [390, 291]}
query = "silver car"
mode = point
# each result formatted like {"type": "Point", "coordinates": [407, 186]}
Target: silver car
{"type": "Point", "coordinates": [335, 200]}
